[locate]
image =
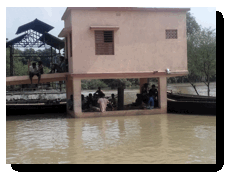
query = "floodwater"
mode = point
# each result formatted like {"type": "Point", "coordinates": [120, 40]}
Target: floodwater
{"type": "Point", "coordinates": [158, 139]}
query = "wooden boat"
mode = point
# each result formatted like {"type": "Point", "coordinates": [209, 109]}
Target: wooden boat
{"type": "Point", "coordinates": [39, 108]}
{"type": "Point", "coordinates": [188, 97]}
{"type": "Point", "coordinates": [191, 104]}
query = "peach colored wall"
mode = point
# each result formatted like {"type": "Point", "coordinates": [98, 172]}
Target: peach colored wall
{"type": "Point", "coordinates": [70, 61]}
{"type": "Point", "coordinates": [140, 42]}
{"type": "Point", "coordinates": [67, 22]}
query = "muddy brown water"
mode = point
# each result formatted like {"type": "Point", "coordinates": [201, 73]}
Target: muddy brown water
{"type": "Point", "coordinates": [161, 138]}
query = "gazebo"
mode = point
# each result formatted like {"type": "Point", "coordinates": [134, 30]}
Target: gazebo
{"type": "Point", "coordinates": [35, 36]}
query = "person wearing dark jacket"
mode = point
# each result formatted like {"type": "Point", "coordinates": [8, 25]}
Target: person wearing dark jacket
{"type": "Point", "coordinates": [154, 93]}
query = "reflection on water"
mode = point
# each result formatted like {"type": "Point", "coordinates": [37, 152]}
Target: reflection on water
{"type": "Point", "coordinates": [164, 138]}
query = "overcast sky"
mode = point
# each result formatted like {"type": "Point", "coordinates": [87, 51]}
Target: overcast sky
{"type": "Point", "coordinates": [17, 16]}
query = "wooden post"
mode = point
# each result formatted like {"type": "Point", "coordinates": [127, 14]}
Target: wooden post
{"type": "Point", "coordinates": [120, 98]}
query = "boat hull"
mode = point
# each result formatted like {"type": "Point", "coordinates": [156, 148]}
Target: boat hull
{"type": "Point", "coordinates": [192, 107]}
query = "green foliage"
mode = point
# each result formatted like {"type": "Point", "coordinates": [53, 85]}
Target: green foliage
{"type": "Point", "coordinates": [115, 83]}
{"type": "Point", "coordinates": [20, 69]}
{"type": "Point", "coordinates": [92, 84]}
{"type": "Point", "coordinates": [191, 24]}
{"type": "Point", "coordinates": [20, 64]}
{"type": "Point", "coordinates": [46, 70]}
{"type": "Point", "coordinates": [202, 53]}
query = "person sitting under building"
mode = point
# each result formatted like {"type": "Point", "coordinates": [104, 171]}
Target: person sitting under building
{"type": "Point", "coordinates": [144, 93]}
{"type": "Point", "coordinates": [89, 100]}
{"type": "Point", "coordinates": [91, 104]}
{"type": "Point", "coordinates": [70, 103]}
{"type": "Point", "coordinates": [112, 103]}
{"type": "Point", "coordinates": [154, 93]}
{"type": "Point", "coordinates": [102, 101]}
{"type": "Point", "coordinates": [99, 92]}
{"type": "Point", "coordinates": [95, 99]}
{"type": "Point", "coordinates": [83, 102]}
{"type": "Point", "coordinates": [138, 101]}
{"type": "Point", "coordinates": [150, 104]}
{"type": "Point", "coordinates": [33, 70]}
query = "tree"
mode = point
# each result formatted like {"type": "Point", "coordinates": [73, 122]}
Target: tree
{"type": "Point", "coordinates": [191, 24]}
{"type": "Point", "coordinates": [92, 84]}
{"type": "Point", "coordinates": [192, 61]}
{"type": "Point", "coordinates": [205, 48]}
{"type": "Point", "coordinates": [192, 28]}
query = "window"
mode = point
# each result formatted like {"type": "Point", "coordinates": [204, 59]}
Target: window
{"type": "Point", "coordinates": [171, 34]}
{"type": "Point", "coordinates": [104, 42]}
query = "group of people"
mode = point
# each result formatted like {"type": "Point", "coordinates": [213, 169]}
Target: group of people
{"type": "Point", "coordinates": [98, 102]}
{"type": "Point", "coordinates": [59, 67]}
{"type": "Point", "coordinates": [149, 97]}
{"type": "Point", "coordinates": [38, 70]}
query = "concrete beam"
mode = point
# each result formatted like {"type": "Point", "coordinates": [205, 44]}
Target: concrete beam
{"type": "Point", "coordinates": [17, 80]}
{"type": "Point", "coordinates": [118, 113]}
{"type": "Point", "coordinates": [162, 94]}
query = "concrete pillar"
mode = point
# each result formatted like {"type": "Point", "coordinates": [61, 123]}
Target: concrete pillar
{"type": "Point", "coordinates": [120, 98]}
{"type": "Point", "coordinates": [141, 82]}
{"type": "Point", "coordinates": [73, 87]}
{"type": "Point", "coordinates": [77, 96]}
{"type": "Point", "coordinates": [69, 91]}
{"type": "Point", "coordinates": [162, 94]}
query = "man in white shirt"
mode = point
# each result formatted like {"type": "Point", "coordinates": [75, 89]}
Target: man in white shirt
{"type": "Point", "coordinates": [33, 70]}
{"type": "Point", "coordinates": [103, 103]}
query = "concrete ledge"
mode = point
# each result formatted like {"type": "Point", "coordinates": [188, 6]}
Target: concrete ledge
{"type": "Point", "coordinates": [118, 75]}
{"type": "Point", "coordinates": [17, 80]}
{"type": "Point", "coordinates": [104, 27]}
{"type": "Point", "coordinates": [120, 113]}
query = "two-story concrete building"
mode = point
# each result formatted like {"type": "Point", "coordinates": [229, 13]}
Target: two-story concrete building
{"type": "Point", "coordinates": [124, 42]}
